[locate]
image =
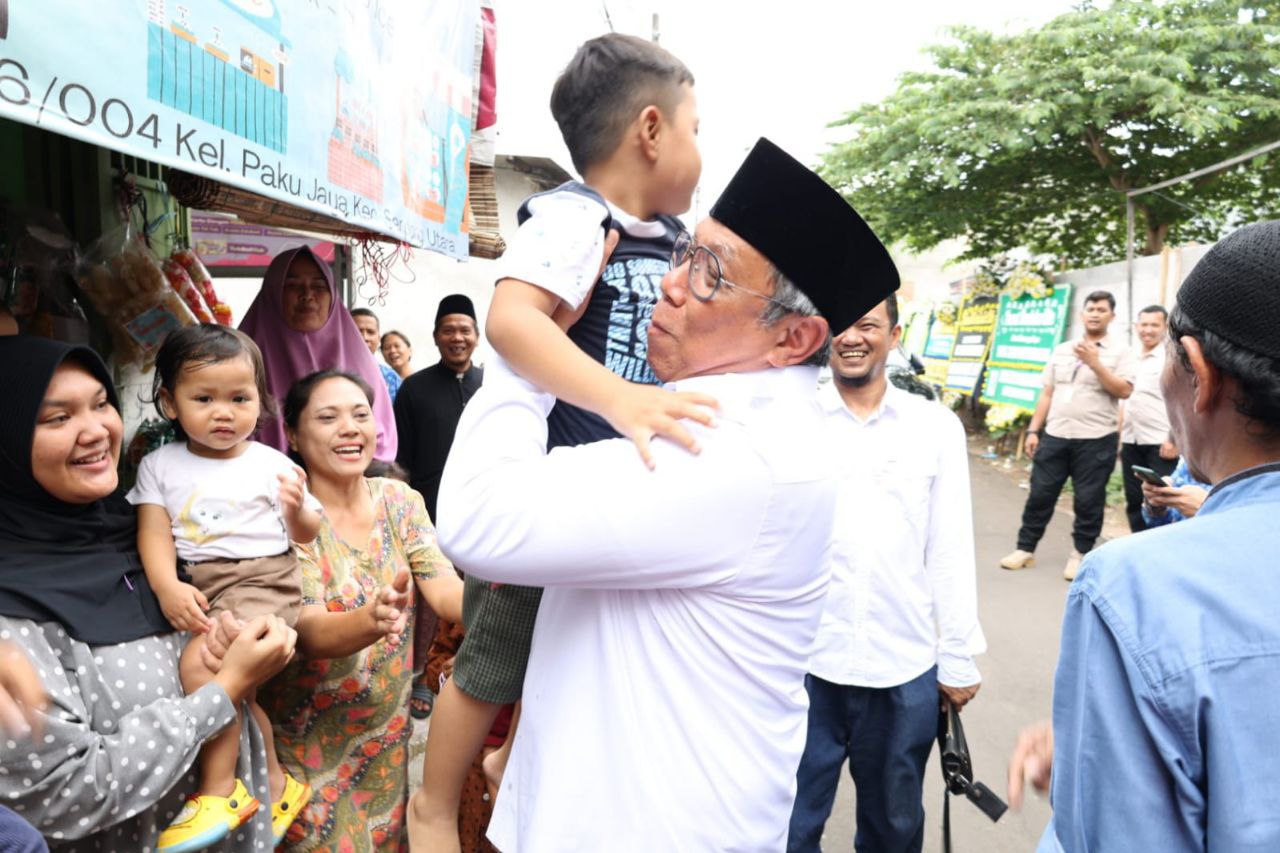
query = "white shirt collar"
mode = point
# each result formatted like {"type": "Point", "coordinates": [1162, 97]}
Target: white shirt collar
{"type": "Point", "coordinates": [634, 225]}
{"type": "Point", "coordinates": [831, 402]}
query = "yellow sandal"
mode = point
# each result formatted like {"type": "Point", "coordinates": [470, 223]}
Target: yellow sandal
{"type": "Point", "coordinates": [205, 820]}
{"type": "Point", "coordinates": [286, 810]}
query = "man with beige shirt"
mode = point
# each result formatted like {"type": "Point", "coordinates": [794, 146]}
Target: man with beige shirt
{"type": "Point", "coordinates": [1144, 424]}
{"type": "Point", "coordinates": [1078, 411]}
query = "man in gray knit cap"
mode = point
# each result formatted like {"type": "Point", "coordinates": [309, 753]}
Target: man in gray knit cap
{"type": "Point", "coordinates": [1164, 702]}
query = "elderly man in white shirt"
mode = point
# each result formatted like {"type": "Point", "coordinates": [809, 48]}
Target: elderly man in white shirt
{"type": "Point", "coordinates": [900, 624]}
{"type": "Point", "coordinates": [664, 704]}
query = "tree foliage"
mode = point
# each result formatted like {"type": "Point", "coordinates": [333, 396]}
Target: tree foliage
{"type": "Point", "coordinates": [1029, 140]}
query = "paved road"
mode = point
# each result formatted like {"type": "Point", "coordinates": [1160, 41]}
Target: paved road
{"type": "Point", "coordinates": [1021, 614]}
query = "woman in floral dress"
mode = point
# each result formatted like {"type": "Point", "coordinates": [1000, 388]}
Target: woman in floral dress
{"type": "Point", "coordinates": [341, 710]}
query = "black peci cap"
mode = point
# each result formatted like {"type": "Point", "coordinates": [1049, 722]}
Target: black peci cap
{"type": "Point", "coordinates": [455, 303]}
{"type": "Point", "coordinates": [809, 232]}
{"type": "Point", "coordinates": [1234, 291]}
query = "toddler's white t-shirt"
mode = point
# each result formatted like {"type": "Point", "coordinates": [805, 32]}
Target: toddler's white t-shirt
{"type": "Point", "coordinates": [222, 509]}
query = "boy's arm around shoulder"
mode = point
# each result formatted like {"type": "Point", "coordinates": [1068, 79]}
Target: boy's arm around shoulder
{"type": "Point", "coordinates": [523, 329]}
{"type": "Point", "coordinates": [527, 325]}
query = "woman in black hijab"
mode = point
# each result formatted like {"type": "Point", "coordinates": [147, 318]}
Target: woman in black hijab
{"type": "Point", "coordinates": [109, 767]}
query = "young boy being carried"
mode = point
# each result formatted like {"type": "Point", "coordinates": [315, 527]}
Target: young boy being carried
{"type": "Point", "coordinates": [576, 326]}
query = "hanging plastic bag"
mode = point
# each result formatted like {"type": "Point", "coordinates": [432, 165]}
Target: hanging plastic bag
{"type": "Point", "coordinates": [128, 287]}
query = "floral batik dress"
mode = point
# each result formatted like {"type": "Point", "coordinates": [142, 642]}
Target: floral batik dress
{"type": "Point", "coordinates": [343, 725]}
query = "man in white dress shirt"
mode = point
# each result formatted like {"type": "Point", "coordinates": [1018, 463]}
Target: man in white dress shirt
{"type": "Point", "coordinates": [664, 704]}
{"type": "Point", "coordinates": [900, 624]}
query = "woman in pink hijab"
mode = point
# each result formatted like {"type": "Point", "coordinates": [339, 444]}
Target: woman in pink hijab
{"type": "Point", "coordinates": [301, 326]}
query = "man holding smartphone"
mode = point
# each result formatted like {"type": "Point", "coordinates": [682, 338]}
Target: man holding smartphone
{"type": "Point", "coordinates": [1144, 429]}
{"type": "Point", "coordinates": [1078, 411]}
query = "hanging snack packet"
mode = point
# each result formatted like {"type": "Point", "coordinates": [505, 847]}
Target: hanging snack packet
{"type": "Point", "coordinates": [127, 286]}
{"type": "Point", "coordinates": [200, 275]}
{"type": "Point", "coordinates": [182, 284]}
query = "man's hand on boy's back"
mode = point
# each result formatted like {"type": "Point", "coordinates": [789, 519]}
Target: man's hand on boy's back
{"type": "Point", "coordinates": [644, 412]}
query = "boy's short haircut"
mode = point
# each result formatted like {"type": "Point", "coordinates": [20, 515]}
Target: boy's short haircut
{"type": "Point", "coordinates": [606, 84]}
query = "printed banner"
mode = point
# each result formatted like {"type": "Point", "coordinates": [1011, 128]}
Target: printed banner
{"type": "Point", "coordinates": [937, 350]}
{"type": "Point", "coordinates": [224, 241]}
{"type": "Point", "coordinates": [1017, 387]}
{"type": "Point", "coordinates": [1027, 330]}
{"type": "Point", "coordinates": [974, 327]}
{"type": "Point", "coordinates": [942, 337]}
{"type": "Point", "coordinates": [358, 109]}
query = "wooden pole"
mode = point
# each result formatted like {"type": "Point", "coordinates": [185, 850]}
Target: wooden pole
{"type": "Point", "coordinates": [1128, 217]}
{"type": "Point", "coordinates": [1164, 272]}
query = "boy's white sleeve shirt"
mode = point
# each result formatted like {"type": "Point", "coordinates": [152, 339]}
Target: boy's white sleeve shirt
{"type": "Point", "coordinates": [560, 247]}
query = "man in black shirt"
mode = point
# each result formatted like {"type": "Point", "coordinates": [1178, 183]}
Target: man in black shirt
{"type": "Point", "coordinates": [430, 401]}
{"type": "Point", "coordinates": [428, 407]}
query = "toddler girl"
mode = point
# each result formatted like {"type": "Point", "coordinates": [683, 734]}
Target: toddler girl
{"type": "Point", "coordinates": [221, 509]}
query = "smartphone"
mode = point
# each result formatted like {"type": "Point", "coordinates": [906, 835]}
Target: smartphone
{"type": "Point", "coordinates": [1147, 475]}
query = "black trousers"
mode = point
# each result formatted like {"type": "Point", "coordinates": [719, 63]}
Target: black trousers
{"type": "Point", "coordinates": [1089, 463]}
{"type": "Point", "coordinates": [1148, 456]}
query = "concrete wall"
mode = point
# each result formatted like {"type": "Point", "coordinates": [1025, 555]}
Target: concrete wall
{"type": "Point", "coordinates": [1156, 280]}
{"type": "Point", "coordinates": [929, 276]}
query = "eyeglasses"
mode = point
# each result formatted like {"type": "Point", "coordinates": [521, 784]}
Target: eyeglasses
{"type": "Point", "coordinates": [705, 277]}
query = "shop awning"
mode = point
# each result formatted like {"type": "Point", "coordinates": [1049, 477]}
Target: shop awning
{"type": "Point", "coordinates": [350, 119]}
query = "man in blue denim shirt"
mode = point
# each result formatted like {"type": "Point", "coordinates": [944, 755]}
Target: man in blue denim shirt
{"type": "Point", "coordinates": [1165, 733]}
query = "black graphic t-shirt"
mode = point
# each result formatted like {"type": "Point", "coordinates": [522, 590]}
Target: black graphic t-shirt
{"type": "Point", "coordinates": [614, 328]}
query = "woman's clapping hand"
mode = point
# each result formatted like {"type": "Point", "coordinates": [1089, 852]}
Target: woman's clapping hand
{"type": "Point", "coordinates": [389, 611]}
